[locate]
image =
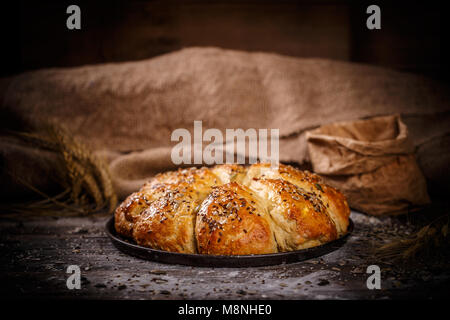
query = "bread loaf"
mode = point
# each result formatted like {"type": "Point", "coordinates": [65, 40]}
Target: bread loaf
{"type": "Point", "coordinates": [234, 210]}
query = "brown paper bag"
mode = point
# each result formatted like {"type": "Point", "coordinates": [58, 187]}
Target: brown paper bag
{"type": "Point", "coordinates": [372, 162]}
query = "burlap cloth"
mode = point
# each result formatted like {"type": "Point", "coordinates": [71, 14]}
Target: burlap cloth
{"type": "Point", "coordinates": [126, 112]}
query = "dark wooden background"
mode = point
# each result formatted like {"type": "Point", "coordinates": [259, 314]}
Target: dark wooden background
{"type": "Point", "coordinates": [412, 37]}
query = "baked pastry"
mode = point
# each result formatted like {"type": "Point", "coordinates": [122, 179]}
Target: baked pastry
{"type": "Point", "coordinates": [234, 210]}
{"type": "Point", "coordinates": [234, 221]}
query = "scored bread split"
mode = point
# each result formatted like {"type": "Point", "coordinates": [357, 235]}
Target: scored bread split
{"type": "Point", "coordinates": [234, 210]}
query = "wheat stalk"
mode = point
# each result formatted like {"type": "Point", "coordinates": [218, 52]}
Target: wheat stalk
{"type": "Point", "coordinates": [428, 240]}
{"type": "Point", "coordinates": [84, 178]}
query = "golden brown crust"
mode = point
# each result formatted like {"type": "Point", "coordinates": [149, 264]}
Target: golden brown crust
{"type": "Point", "coordinates": [335, 202]}
{"type": "Point", "coordinates": [232, 221]}
{"type": "Point", "coordinates": [168, 223]}
{"type": "Point", "coordinates": [201, 178]}
{"type": "Point", "coordinates": [230, 172]}
{"type": "Point", "coordinates": [133, 206]}
{"type": "Point", "coordinates": [300, 217]}
{"type": "Point", "coordinates": [233, 210]}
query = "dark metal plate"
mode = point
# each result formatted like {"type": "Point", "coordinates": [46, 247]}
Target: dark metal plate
{"type": "Point", "coordinates": [204, 260]}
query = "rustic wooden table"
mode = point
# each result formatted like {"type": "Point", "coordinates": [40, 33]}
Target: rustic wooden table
{"type": "Point", "coordinates": [35, 254]}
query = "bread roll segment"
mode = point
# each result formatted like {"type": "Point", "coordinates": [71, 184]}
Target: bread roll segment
{"type": "Point", "coordinates": [233, 221]}
{"type": "Point", "coordinates": [168, 223]}
{"type": "Point", "coordinates": [335, 202]}
{"type": "Point", "coordinates": [234, 210]}
{"type": "Point", "coordinates": [299, 218]}
{"type": "Point", "coordinates": [131, 209]}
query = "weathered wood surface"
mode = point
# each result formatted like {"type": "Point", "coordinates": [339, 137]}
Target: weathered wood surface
{"type": "Point", "coordinates": [35, 253]}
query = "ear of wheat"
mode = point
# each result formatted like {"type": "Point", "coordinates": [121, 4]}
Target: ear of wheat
{"type": "Point", "coordinates": [83, 178]}
{"type": "Point", "coordinates": [432, 239]}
